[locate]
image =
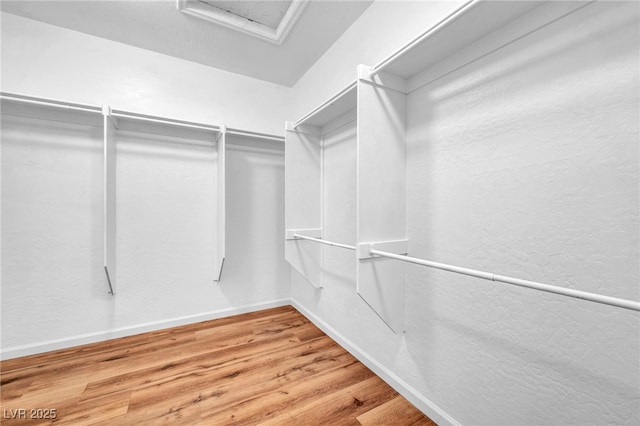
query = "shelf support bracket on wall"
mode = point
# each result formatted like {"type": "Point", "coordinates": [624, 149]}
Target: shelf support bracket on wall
{"type": "Point", "coordinates": [109, 203]}
{"type": "Point", "coordinates": [396, 247]}
{"type": "Point", "coordinates": [220, 224]}
{"type": "Point", "coordinates": [382, 80]}
{"type": "Point", "coordinates": [381, 195]}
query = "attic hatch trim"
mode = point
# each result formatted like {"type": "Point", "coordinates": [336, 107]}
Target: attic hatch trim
{"type": "Point", "coordinates": [238, 23]}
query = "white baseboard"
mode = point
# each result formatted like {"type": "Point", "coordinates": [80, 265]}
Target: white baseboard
{"type": "Point", "coordinates": [423, 404]}
{"type": "Point", "coordinates": [83, 339]}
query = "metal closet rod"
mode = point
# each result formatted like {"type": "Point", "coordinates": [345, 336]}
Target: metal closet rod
{"type": "Point", "coordinates": [592, 297]}
{"type": "Point", "coordinates": [326, 242]}
{"type": "Point", "coordinates": [430, 32]}
{"type": "Point", "coordinates": [164, 120]}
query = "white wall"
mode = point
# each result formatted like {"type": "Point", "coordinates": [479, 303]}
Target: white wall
{"type": "Point", "coordinates": [51, 229]}
{"type": "Point", "coordinates": [53, 285]}
{"type": "Point", "coordinates": [48, 61]}
{"type": "Point", "coordinates": [525, 163]}
{"type": "Point", "coordinates": [54, 292]}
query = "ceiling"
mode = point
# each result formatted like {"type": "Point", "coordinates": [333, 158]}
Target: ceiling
{"type": "Point", "coordinates": [159, 26]}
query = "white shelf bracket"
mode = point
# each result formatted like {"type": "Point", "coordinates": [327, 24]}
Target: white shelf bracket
{"type": "Point", "coordinates": [396, 247]}
{"type": "Point", "coordinates": [364, 72]}
{"type": "Point", "coordinates": [220, 225]}
{"type": "Point", "coordinates": [382, 80]}
{"type": "Point", "coordinates": [109, 189]}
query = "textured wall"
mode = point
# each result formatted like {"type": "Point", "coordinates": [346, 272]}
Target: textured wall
{"type": "Point", "coordinates": [51, 230]}
{"type": "Point", "coordinates": [53, 284]}
{"type": "Point", "coordinates": [524, 163]}
{"type": "Point", "coordinates": [52, 278]}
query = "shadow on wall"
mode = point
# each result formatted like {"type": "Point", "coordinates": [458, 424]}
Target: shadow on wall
{"type": "Point", "coordinates": [157, 146]}
{"type": "Point", "coordinates": [51, 227]}
{"type": "Point", "coordinates": [553, 377]}
{"type": "Point", "coordinates": [339, 204]}
{"type": "Point", "coordinates": [165, 210]}
{"type": "Point", "coordinates": [482, 345]}
{"type": "Point", "coordinates": [254, 246]}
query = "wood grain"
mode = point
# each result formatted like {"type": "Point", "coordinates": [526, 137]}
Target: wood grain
{"type": "Point", "coordinates": [272, 367]}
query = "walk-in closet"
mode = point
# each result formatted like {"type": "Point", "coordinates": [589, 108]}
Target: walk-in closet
{"type": "Point", "coordinates": [320, 212]}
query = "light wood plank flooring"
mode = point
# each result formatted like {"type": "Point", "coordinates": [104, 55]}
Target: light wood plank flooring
{"type": "Point", "coordinates": [271, 367]}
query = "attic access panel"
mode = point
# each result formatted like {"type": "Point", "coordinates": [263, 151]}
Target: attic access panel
{"type": "Point", "coordinates": [269, 13]}
{"type": "Point", "coordinates": [266, 20]}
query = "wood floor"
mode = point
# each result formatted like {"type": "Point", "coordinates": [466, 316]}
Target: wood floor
{"type": "Point", "coordinates": [271, 367]}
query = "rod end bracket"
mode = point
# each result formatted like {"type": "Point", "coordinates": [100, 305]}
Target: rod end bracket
{"type": "Point", "coordinates": [395, 246]}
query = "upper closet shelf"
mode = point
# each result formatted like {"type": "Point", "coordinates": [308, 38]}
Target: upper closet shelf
{"type": "Point", "coordinates": [334, 107]}
{"type": "Point", "coordinates": [49, 109]}
{"type": "Point", "coordinates": [254, 135]}
{"type": "Point", "coordinates": [131, 121]}
{"type": "Point", "coordinates": [71, 112]}
{"type": "Point", "coordinates": [470, 22]}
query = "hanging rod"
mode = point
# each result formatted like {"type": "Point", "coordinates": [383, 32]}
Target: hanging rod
{"type": "Point", "coordinates": [592, 297]}
{"type": "Point", "coordinates": [321, 241]}
{"type": "Point", "coordinates": [325, 104]}
{"type": "Point", "coordinates": [256, 135]}
{"type": "Point", "coordinates": [163, 120]}
{"type": "Point", "coordinates": [50, 103]}
{"type": "Point", "coordinates": [430, 32]}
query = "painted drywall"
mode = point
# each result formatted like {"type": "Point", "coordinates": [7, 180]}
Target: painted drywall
{"type": "Point", "coordinates": [526, 164]}
{"type": "Point", "coordinates": [53, 284]}
{"type": "Point", "coordinates": [380, 31]}
{"type": "Point", "coordinates": [47, 61]}
{"type": "Point", "coordinates": [54, 293]}
{"type": "Point", "coordinates": [523, 163]}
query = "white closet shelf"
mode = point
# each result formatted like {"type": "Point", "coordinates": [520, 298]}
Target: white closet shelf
{"type": "Point", "coordinates": [470, 22]}
{"type": "Point", "coordinates": [331, 109]}
{"type": "Point", "coordinates": [51, 110]}
{"type": "Point", "coordinates": [131, 121]}
{"type": "Point", "coordinates": [255, 135]}
{"type": "Point", "coordinates": [255, 140]}
{"type": "Point", "coordinates": [73, 112]}
{"type": "Point", "coordinates": [50, 103]}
